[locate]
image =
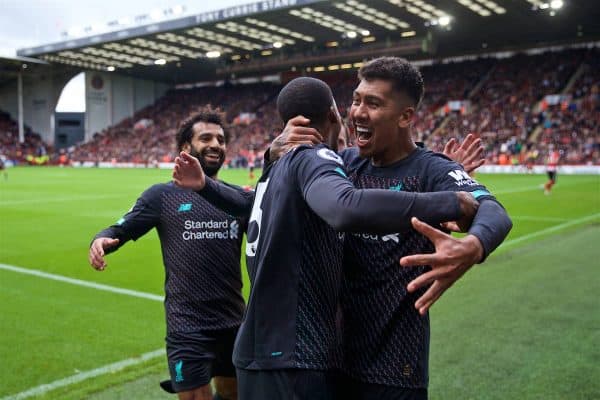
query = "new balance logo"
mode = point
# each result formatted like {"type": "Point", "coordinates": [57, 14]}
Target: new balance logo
{"type": "Point", "coordinates": [185, 207]}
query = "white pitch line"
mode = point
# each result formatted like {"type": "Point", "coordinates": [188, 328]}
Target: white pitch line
{"type": "Point", "coordinates": [80, 282]}
{"type": "Point", "coordinates": [82, 376]}
{"type": "Point", "coordinates": [549, 230]}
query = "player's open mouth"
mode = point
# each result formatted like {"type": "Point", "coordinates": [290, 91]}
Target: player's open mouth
{"type": "Point", "coordinates": [214, 157]}
{"type": "Point", "coordinates": [363, 134]}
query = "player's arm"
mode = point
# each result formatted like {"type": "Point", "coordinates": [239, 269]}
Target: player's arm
{"type": "Point", "coordinates": [188, 174]}
{"type": "Point", "coordinates": [143, 216]}
{"type": "Point", "coordinates": [332, 196]}
{"type": "Point", "coordinates": [233, 200]}
{"type": "Point", "coordinates": [491, 223]}
{"type": "Point", "coordinates": [295, 133]}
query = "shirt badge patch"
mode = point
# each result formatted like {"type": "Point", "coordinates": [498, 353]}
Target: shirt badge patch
{"type": "Point", "coordinates": [330, 155]}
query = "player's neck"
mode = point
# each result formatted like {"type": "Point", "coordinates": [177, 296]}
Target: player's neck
{"type": "Point", "coordinates": [396, 151]}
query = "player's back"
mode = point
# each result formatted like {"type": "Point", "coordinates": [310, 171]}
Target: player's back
{"type": "Point", "coordinates": [294, 262]}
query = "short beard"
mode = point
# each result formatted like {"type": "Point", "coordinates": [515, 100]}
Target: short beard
{"type": "Point", "coordinates": [209, 170]}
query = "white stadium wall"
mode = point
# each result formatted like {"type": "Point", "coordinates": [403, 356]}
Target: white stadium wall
{"type": "Point", "coordinates": [40, 96]}
{"type": "Point", "coordinates": [110, 98]}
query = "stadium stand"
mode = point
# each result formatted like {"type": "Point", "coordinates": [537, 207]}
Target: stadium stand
{"type": "Point", "coordinates": [32, 151]}
{"type": "Point", "coordinates": [518, 105]}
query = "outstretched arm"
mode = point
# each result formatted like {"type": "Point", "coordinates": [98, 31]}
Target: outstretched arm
{"type": "Point", "coordinates": [331, 195]}
{"type": "Point", "coordinates": [348, 209]}
{"type": "Point", "coordinates": [188, 174]}
{"type": "Point", "coordinates": [142, 217]}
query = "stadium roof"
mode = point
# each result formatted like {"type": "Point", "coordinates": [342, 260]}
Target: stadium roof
{"type": "Point", "coordinates": [279, 35]}
{"type": "Point", "coordinates": [10, 67]}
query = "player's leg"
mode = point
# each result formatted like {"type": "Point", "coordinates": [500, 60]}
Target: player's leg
{"type": "Point", "coordinates": [352, 389]}
{"type": "Point", "coordinates": [225, 388]}
{"type": "Point", "coordinates": [201, 393]}
{"type": "Point", "coordinates": [285, 384]}
{"type": "Point", "coordinates": [223, 371]}
{"type": "Point", "coordinates": [190, 357]}
{"type": "Point", "coordinates": [551, 182]}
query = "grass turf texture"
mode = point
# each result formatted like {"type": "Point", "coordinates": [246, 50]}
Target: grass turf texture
{"type": "Point", "coordinates": [523, 325]}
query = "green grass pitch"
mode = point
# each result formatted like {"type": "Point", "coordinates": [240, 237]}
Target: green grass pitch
{"type": "Point", "coordinates": [524, 325]}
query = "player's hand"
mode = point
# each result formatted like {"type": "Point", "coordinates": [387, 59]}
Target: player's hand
{"type": "Point", "coordinates": [188, 173]}
{"type": "Point", "coordinates": [96, 254]}
{"type": "Point", "coordinates": [468, 209]}
{"type": "Point", "coordinates": [295, 133]}
{"type": "Point", "coordinates": [469, 153]}
{"type": "Point", "coordinates": [452, 258]}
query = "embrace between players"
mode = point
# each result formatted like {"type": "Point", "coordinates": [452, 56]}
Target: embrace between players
{"type": "Point", "coordinates": [332, 314]}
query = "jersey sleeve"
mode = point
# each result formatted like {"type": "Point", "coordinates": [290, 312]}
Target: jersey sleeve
{"type": "Point", "coordinates": [448, 175]}
{"type": "Point", "coordinates": [232, 199]}
{"type": "Point", "coordinates": [491, 224]}
{"type": "Point", "coordinates": [325, 187]}
{"type": "Point", "coordinates": [143, 216]}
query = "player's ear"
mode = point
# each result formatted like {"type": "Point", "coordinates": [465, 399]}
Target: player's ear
{"type": "Point", "coordinates": [186, 147]}
{"type": "Point", "coordinates": [406, 117]}
{"type": "Point", "coordinates": [333, 115]}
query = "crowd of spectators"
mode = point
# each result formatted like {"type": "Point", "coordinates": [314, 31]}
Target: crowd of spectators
{"type": "Point", "coordinates": [502, 100]}
{"type": "Point", "coordinates": [32, 150]}
{"type": "Point", "coordinates": [507, 108]}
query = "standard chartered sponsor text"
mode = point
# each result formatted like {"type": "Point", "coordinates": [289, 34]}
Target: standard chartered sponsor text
{"type": "Point", "coordinates": [211, 229]}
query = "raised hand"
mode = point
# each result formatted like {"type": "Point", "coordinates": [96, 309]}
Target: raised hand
{"type": "Point", "coordinates": [295, 133]}
{"type": "Point", "coordinates": [452, 258]}
{"type": "Point", "coordinates": [468, 153]}
{"type": "Point", "coordinates": [96, 253]}
{"type": "Point", "coordinates": [188, 173]}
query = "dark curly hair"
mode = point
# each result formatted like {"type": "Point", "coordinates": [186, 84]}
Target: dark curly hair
{"type": "Point", "coordinates": [404, 76]}
{"type": "Point", "coordinates": [207, 114]}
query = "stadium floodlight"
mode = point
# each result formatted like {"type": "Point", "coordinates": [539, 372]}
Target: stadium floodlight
{"type": "Point", "coordinates": [178, 9]}
{"type": "Point", "coordinates": [160, 61]}
{"type": "Point", "coordinates": [155, 14]}
{"type": "Point", "coordinates": [351, 34]}
{"type": "Point", "coordinates": [110, 68]}
{"type": "Point", "coordinates": [365, 32]}
{"type": "Point", "coordinates": [277, 45]}
{"type": "Point", "coordinates": [213, 54]}
{"type": "Point", "coordinates": [556, 4]}
{"type": "Point", "coordinates": [543, 6]}
{"type": "Point", "coordinates": [444, 21]}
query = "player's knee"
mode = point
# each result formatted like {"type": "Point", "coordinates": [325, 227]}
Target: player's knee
{"type": "Point", "coordinates": [225, 388]}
